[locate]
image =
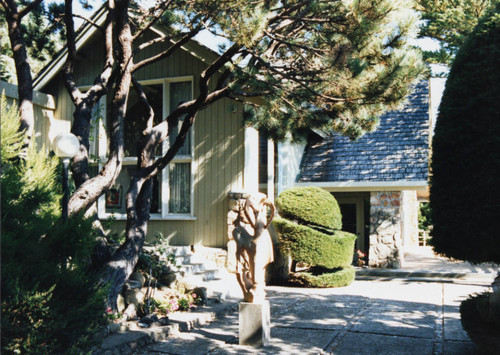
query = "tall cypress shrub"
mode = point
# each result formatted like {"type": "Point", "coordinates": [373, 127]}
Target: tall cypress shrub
{"type": "Point", "coordinates": [465, 191]}
{"type": "Point", "coordinates": [50, 302]}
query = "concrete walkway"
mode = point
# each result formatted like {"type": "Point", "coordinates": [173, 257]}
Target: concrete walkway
{"type": "Point", "coordinates": [377, 315]}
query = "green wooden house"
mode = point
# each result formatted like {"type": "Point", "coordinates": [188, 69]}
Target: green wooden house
{"type": "Point", "coordinates": [221, 155]}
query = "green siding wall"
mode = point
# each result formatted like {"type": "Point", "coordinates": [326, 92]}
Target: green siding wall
{"type": "Point", "coordinates": [218, 147]}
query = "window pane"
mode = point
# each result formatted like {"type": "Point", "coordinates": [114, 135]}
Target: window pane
{"type": "Point", "coordinates": [180, 92]}
{"type": "Point", "coordinates": [137, 116]}
{"type": "Point", "coordinates": [180, 188]}
{"type": "Point", "coordinates": [115, 197]}
{"type": "Point", "coordinates": [96, 120]}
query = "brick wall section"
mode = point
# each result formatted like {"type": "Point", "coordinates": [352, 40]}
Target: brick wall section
{"type": "Point", "coordinates": [386, 244]}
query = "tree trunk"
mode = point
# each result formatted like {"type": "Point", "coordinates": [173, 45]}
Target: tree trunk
{"type": "Point", "coordinates": [24, 79]}
{"type": "Point", "coordinates": [81, 129]}
{"type": "Point", "coordinates": [122, 264]}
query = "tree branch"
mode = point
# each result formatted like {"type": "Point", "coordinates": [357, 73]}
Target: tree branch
{"type": "Point", "coordinates": [28, 8]}
{"type": "Point", "coordinates": [167, 52]}
{"type": "Point", "coordinates": [86, 19]}
{"type": "Point", "coordinates": [159, 5]}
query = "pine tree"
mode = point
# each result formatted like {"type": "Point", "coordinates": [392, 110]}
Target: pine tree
{"type": "Point", "coordinates": [50, 303]}
{"type": "Point", "coordinates": [449, 22]}
{"type": "Point", "coordinates": [42, 35]}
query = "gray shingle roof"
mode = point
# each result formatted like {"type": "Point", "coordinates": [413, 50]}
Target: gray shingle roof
{"type": "Point", "coordinates": [397, 151]}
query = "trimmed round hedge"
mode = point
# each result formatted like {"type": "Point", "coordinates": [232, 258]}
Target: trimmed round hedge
{"type": "Point", "coordinates": [482, 325]}
{"type": "Point", "coordinates": [466, 150]}
{"type": "Point", "coordinates": [309, 246]}
{"type": "Point", "coordinates": [310, 205]}
{"type": "Point", "coordinates": [323, 278]}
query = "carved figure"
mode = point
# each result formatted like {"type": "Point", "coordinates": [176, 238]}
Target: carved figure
{"type": "Point", "coordinates": [254, 252]}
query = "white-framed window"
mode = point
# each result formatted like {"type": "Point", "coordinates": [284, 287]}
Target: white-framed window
{"type": "Point", "coordinates": [173, 187]}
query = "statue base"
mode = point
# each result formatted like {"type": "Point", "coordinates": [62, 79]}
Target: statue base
{"type": "Point", "coordinates": [255, 324]}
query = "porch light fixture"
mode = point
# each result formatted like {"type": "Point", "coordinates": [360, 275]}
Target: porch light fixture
{"type": "Point", "coordinates": [65, 145]}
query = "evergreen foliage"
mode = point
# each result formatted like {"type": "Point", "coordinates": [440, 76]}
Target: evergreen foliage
{"type": "Point", "coordinates": [310, 205]}
{"type": "Point", "coordinates": [321, 277]}
{"type": "Point", "coordinates": [42, 36]}
{"type": "Point", "coordinates": [481, 321]}
{"type": "Point", "coordinates": [312, 247]}
{"type": "Point", "coordinates": [310, 240]}
{"type": "Point", "coordinates": [338, 69]}
{"type": "Point", "coordinates": [424, 216]}
{"type": "Point", "coordinates": [50, 302]}
{"type": "Point", "coordinates": [449, 22]}
{"type": "Point", "coordinates": [466, 150]}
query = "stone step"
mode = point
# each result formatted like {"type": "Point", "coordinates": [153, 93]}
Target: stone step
{"type": "Point", "coordinates": [208, 274]}
{"type": "Point", "coordinates": [193, 259]}
{"type": "Point", "coordinates": [222, 286]}
{"type": "Point", "coordinates": [180, 250]}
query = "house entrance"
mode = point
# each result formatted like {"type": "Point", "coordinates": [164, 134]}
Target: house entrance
{"type": "Point", "coordinates": [355, 216]}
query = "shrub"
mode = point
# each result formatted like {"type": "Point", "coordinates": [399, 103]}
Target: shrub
{"type": "Point", "coordinates": [466, 150]}
{"type": "Point", "coordinates": [321, 277]}
{"type": "Point", "coordinates": [313, 238]}
{"type": "Point", "coordinates": [309, 246]}
{"type": "Point", "coordinates": [50, 303]}
{"type": "Point", "coordinates": [310, 206]}
{"type": "Point", "coordinates": [480, 322]}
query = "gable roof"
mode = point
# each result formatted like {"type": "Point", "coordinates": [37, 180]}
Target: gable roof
{"type": "Point", "coordinates": [86, 32]}
{"type": "Point", "coordinates": [396, 154]}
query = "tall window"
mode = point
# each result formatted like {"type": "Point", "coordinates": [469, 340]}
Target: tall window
{"type": "Point", "coordinates": [179, 178]}
{"type": "Point", "coordinates": [172, 188]}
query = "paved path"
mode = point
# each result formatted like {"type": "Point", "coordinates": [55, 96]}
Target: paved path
{"type": "Point", "coordinates": [391, 316]}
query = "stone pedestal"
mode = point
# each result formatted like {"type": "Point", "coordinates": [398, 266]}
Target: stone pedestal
{"type": "Point", "coordinates": [255, 324]}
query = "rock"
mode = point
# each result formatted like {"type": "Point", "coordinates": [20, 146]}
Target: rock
{"type": "Point", "coordinates": [201, 292]}
{"type": "Point", "coordinates": [114, 328]}
{"type": "Point", "coordinates": [137, 276]}
{"type": "Point", "coordinates": [134, 296]}
{"type": "Point", "coordinates": [131, 284]}
{"type": "Point", "coordinates": [149, 319]}
{"type": "Point", "coordinates": [120, 303]}
{"type": "Point", "coordinates": [167, 278]}
{"type": "Point", "coordinates": [130, 313]}
{"type": "Point", "coordinates": [163, 321]}
{"type": "Point", "coordinates": [181, 286]}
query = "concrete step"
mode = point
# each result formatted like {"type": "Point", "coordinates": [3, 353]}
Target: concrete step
{"type": "Point", "coordinates": [180, 250]}
{"type": "Point", "coordinates": [208, 274]}
{"type": "Point", "coordinates": [222, 287]}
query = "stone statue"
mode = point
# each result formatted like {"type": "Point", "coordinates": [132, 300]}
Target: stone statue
{"type": "Point", "coordinates": [254, 252]}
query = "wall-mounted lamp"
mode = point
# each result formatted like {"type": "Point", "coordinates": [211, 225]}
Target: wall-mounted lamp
{"type": "Point", "coordinates": [65, 145]}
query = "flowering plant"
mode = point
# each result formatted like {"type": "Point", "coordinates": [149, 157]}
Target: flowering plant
{"type": "Point", "coordinates": [361, 258]}
{"type": "Point", "coordinates": [112, 316]}
{"type": "Point", "coordinates": [174, 301]}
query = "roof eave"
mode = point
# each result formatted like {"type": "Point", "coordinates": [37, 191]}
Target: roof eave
{"type": "Point", "coordinates": [193, 47]}
{"type": "Point", "coordinates": [367, 185]}
{"type": "Point", "coordinates": [84, 34]}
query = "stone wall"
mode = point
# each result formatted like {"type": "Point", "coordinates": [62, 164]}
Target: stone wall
{"type": "Point", "coordinates": [386, 245]}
